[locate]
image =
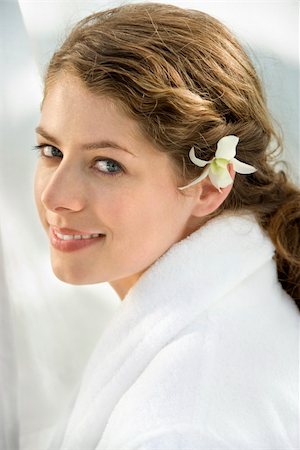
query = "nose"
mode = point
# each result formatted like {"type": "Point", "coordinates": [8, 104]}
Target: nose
{"type": "Point", "coordinates": [64, 189]}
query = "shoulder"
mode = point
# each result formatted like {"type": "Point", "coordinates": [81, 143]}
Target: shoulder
{"type": "Point", "coordinates": [230, 376]}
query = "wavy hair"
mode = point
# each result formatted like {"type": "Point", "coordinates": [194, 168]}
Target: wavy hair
{"type": "Point", "coordinates": [188, 82]}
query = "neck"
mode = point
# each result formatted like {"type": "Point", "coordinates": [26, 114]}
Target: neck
{"type": "Point", "coordinates": [123, 285]}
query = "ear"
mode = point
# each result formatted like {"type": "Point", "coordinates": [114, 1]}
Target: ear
{"type": "Point", "coordinates": [209, 198]}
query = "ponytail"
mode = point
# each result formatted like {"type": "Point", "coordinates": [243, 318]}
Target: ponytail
{"type": "Point", "coordinates": [284, 230]}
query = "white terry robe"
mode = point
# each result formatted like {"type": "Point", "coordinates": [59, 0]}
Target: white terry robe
{"type": "Point", "coordinates": [202, 354]}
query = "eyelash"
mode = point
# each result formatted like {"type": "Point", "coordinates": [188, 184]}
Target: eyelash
{"type": "Point", "coordinates": [41, 147]}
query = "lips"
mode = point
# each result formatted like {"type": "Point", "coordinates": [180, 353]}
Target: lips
{"type": "Point", "coordinates": [67, 240]}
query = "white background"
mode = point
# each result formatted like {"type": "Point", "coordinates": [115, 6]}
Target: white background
{"type": "Point", "coordinates": [57, 325]}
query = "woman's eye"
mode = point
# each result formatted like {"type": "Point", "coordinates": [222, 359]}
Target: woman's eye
{"type": "Point", "coordinates": [105, 166]}
{"type": "Point", "coordinates": [49, 151]}
{"type": "Point", "coordinates": [108, 166]}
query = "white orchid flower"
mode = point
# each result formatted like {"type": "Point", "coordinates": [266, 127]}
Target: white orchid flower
{"type": "Point", "coordinates": [217, 168]}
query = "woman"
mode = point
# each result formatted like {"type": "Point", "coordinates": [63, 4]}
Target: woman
{"type": "Point", "coordinates": [156, 175]}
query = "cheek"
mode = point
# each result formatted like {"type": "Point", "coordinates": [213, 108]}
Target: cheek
{"type": "Point", "coordinates": [141, 215]}
{"type": "Point", "coordinates": [127, 210]}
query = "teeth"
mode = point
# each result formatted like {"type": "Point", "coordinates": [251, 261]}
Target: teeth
{"type": "Point", "coordinates": [70, 237]}
{"type": "Point", "coordinates": [66, 237]}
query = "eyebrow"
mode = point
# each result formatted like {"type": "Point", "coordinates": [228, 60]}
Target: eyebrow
{"type": "Point", "coordinates": [107, 143]}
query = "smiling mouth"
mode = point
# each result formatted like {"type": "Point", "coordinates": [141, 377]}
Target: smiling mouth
{"type": "Point", "coordinates": [67, 240]}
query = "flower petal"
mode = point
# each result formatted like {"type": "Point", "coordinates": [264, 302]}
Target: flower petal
{"type": "Point", "coordinates": [220, 178]}
{"type": "Point", "coordinates": [226, 147]}
{"type": "Point", "coordinates": [197, 180]}
{"type": "Point", "coordinates": [241, 167]}
{"type": "Point", "coordinates": [197, 161]}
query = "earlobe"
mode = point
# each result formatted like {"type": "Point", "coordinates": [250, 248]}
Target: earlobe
{"type": "Point", "coordinates": [209, 197]}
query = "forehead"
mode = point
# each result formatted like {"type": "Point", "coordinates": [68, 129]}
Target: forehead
{"type": "Point", "coordinates": [71, 107]}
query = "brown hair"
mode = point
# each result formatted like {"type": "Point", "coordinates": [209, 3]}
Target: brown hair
{"type": "Point", "coordinates": [184, 77]}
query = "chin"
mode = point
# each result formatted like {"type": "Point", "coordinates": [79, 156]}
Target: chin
{"type": "Point", "coordinates": [75, 275]}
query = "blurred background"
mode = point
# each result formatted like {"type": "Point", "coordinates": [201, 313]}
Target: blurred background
{"type": "Point", "coordinates": [57, 325]}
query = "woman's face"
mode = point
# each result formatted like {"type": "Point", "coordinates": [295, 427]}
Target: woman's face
{"type": "Point", "coordinates": [106, 196]}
